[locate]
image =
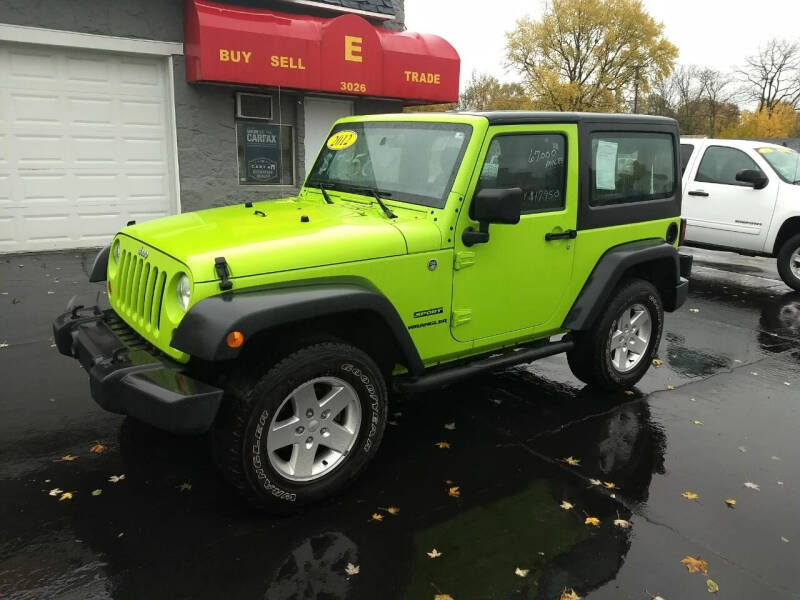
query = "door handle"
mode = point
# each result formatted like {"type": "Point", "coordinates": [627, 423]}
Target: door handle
{"type": "Point", "coordinates": [699, 193]}
{"type": "Point", "coordinates": [569, 234]}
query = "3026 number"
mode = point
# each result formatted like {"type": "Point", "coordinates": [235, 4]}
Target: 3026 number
{"type": "Point", "coordinates": [352, 86]}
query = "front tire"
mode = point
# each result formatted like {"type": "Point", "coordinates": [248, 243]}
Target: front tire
{"type": "Point", "coordinates": [789, 262]}
{"type": "Point", "coordinates": [306, 428]}
{"type": "Point", "coordinates": [616, 353]}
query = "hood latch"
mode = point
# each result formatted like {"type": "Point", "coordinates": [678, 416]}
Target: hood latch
{"type": "Point", "coordinates": [221, 265]}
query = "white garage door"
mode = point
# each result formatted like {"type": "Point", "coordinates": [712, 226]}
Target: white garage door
{"type": "Point", "coordinates": [86, 144]}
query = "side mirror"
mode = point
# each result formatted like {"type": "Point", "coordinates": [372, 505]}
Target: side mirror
{"type": "Point", "coordinates": [500, 206]}
{"type": "Point", "coordinates": [755, 178]}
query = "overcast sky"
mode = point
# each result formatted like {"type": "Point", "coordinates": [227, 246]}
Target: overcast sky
{"type": "Point", "coordinates": [715, 33]}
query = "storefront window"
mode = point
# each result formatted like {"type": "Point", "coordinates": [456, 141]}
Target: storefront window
{"type": "Point", "coordinates": [266, 153]}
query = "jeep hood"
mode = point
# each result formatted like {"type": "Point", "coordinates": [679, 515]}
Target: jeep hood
{"type": "Point", "coordinates": [281, 235]}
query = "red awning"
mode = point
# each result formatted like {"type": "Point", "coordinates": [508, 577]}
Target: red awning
{"type": "Point", "coordinates": [344, 55]}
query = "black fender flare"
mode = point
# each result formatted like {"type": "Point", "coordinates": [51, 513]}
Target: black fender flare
{"type": "Point", "coordinates": [99, 270]}
{"type": "Point", "coordinates": [203, 330]}
{"type": "Point", "coordinates": [608, 272]}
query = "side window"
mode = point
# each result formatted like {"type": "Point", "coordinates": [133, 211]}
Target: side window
{"type": "Point", "coordinates": [535, 162]}
{"type": "Point", "coordinates": [686, 154]}
{"type": "Point", "coordinates": [720, 164]}
{"type": "Point", "coordinates": [631, 167]}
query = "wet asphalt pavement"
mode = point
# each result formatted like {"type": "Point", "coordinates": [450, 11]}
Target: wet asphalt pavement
{"type": "Point", "coordinates": [723, 409]}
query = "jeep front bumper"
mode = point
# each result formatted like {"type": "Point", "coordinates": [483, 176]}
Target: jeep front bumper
{"type": "Point", "coordinates": [127, 376]}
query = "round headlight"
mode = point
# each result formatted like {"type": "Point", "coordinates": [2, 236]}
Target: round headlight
{"type": "Point", "coordinates": [184, 291]}
{"type": "Point", "coordinates": [115, 251]}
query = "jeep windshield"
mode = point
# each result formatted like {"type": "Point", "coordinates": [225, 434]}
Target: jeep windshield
{"type": "Point", "coordinates": [785, 161]}
{"type": "Point", "coordinates": [413, 162]}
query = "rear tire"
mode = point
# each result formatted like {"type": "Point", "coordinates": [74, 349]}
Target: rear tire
{"type": "Point", "coordinates": [304, 429]}
{"type": "Point", "coordinates": [616, 353]}
{"type": "Point", "coordinates": [789, 262]}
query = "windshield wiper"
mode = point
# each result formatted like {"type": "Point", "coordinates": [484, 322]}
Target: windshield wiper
{"type": "Point", "coordinates": [325, 195]}
{"type": "Point", "coordinates": [382, 204]}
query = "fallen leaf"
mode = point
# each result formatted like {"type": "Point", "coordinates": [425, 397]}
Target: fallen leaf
{"type": "Point", "coordinates": [184, 487]}
{"type": "Point", "coordinates": [442, 445]}
{"type": "Point", "coordinates": [731, 502]}
{"type": "Point", "coordinates": [56, 491]}
{"type": "Point", "coordinates": [521, 572]}
{"type": "Point", "coordinates": [573, 462]}
{"type": "Point", "coordinates": [657, 362]}
{"type": "Point", "coordinates": [98, 448]}
{"type": "Point", "coordinates": [392, 510]}
{"type": "Point", "coordinates": [752, 486]}
{"type": "Point", "coordinates": [629, 392]}
{"type": "Point", "coordinates": [696, 422]}
{"type": "Point", "coordinates": [670, 387]}
{"type": "Point", "coordinates": [434, 553]}
{"type": "Point", "coordinates": [68, 458]}
{"type": "Point", "coordinates": [593, 521]}
{"type": "Point", "coordinates": [455, 492]}
{"type": "Point", "coordinates": [569, 595]}
{"type": "Point", "coordinates": [450, 426]}
{"type": "Point", "coordinates": [352, 569]}
{"type": "Point", "coordinates": [65, 496]}
{"type": "Point", "coordinates": [566, 505]}
{"type": "Point", "coordinates": [96, 492]}
{"type": "Point", "coordinates": [690, 495]}
{"type": "Point", "coordinates": [595, 482]}
{"type": "Point", "coordinates": [695, 565]}
{"type": "Point", "coordinates": [742, 449]}
{"type": "Point", "coordinates": [609, 485]}
{"type": "Point", "coordinates": [442, 597]}
{"type": "Point", "coordinates": [116, 478]}
{"type": "Point", "coordinates": [376, 517]}
{"type": "Point", "coordinates": [622, 523]}
{"type": "Point", "coordinates": [712, 586]}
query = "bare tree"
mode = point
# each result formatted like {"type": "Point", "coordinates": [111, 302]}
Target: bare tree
{"type": "Point", "coordinates": [773, 75]}
{"type": "Point", "coordinates": [717, 89]}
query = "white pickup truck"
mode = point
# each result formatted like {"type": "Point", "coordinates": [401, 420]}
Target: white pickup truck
{"type": "Point", "coordinates": [743, 196]}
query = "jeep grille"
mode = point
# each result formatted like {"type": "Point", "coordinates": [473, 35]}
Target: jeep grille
{"type": "Point", "coordinates": [140, 290]}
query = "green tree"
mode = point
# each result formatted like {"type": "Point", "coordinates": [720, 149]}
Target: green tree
{"type": "Point", "coordinates": [485, 92]}
{"type": "Point", "coordinates": [589, 54]}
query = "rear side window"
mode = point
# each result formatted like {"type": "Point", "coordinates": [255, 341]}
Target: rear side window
{"type": "Point", "coordinates": [631, 167]}
{"type": "Point", "coordinates": [686, 154]}
{"type": "Point", "coordinates": [720, 164]}
{"type": "Point", "coordinates": [534, 162]}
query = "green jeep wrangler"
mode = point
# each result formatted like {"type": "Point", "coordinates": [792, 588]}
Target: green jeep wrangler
{"type": "Point", "coordinates": [422, 249]}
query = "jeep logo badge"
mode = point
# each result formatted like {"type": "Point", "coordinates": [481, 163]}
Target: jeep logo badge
{"type": "Point", "coordinates": [143, 253]}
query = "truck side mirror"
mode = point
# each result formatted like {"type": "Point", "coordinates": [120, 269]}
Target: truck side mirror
{"type": "Point", "coordinates": [500, 206]}
{"type": "Point", "coordinates": [755, 178]}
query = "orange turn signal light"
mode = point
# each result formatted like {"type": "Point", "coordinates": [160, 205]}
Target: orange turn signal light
{"type": "Point", "coordinates": [235, 339]}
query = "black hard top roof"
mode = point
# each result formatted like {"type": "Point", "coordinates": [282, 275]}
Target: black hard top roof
{"type": "Point", "coordinates": [518, 117]}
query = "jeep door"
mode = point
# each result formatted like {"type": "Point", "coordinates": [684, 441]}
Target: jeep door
{"type": "Point", "coordinates": [518, 278]}
{"type": "Point", "coordinates": [722, 211]}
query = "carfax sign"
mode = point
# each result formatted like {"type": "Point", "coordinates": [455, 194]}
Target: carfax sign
{"type": "Point", "coordinates": [261, 153]}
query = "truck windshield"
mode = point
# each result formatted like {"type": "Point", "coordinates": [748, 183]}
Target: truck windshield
{"type": "Point", "coordinates": [412, 162]}
{"type": "Point", "coordinates": [785, 161]}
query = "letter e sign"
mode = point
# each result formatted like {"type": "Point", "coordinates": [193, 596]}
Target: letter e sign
{"type": "Point", "coordinates": [352, 48]}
